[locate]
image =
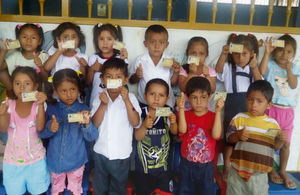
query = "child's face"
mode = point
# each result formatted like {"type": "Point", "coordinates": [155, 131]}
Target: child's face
{"type": "Point", "coordinates": [67, 92]}
{"type": "Point", "coordinates": [257, 103]}
{"type": "Point", "coordinates": [69, 34]}
{"type": "Point", "coordinates": [198, 49]}
{"type": "Point", "coordinates": [242, 59]}
{"type": "Point", "coordinates": [284, 55]}
{"type": "Point", "coordinates": [114, 73]}
{"type": "Point", "coordinates": [105, 43]}
{"type": "Point", "coordinates": [23, 83]}
{"type": "Point", "coordinates": [156, 43]}
{"type": "Point", "coordinates": [29, 39]}
{"type": "Point", "coordinates": [199, 101]}
{"type": "Point", "coordinates": [156, 96]}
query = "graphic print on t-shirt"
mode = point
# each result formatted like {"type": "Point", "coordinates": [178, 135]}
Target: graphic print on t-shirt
{"type": "Point", "coordinates": [197, 149]}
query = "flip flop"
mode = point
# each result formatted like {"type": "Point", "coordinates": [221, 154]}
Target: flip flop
{"type": "Point", "coordinates": [292, 186]}
{"type": "Point", "coordinates": [276, 179]}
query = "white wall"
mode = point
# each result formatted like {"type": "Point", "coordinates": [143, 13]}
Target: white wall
{"type": "Point", "coordinates": [133, 38]}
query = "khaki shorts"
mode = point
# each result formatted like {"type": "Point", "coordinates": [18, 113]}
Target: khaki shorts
{"type": "Point", "coordinates": [257, 184]}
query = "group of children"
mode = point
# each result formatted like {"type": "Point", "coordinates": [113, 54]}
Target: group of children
{"type": "Point", "coordinates": [117, 121]}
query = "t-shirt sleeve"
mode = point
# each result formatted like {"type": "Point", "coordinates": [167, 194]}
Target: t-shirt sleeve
{"type": "Point", "coordinates": [182, 72]}
{"type": "Point", "coordinates": [221, 76]}
{"type": "Point", "coordinates": [134, 66]}
{"type": "Point", "coordinates": [296, 70]}
{"type": "Point", "coordinates": [92, 60]}
{"type": "Point", "coordinates": [231, 129]}
{"type": "Point", "coordinates": [137, 107]}
{"type": "Point", "coordinates": [212, 72]}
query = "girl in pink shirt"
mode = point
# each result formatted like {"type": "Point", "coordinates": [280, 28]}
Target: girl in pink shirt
{"type": "Point", "coordinates": [24, 164]}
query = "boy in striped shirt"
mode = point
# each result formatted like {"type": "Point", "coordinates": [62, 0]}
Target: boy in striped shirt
{"type": "Point", "coordinates": [255, 136]}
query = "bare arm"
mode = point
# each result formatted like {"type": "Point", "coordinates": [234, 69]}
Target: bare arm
{"type": "Point", "coordinates": [3, 52]}
{"type": "Point", "coordinates": [51, 61]}
{"type": "Point", "coordinates": [4, 116]}
{"type": "Point", "coordinates": [173, 124]}
{"type": "Point", "coordinates": [140, 132]}
{"type": "Point", "coordinates": [292, 79]}
{"type": "Point", "coordinates": [222, 59]}
{"type": "Point", "coordinates": [182, 127]}
{"type": "Point", "coordinates": [99, 114]}
{"type": "Point", "coordinates": [41, 116]}
{"type": "Point", "coordinates": [217, 127]}
{"type": "Point", "coordinates": [263, 67]}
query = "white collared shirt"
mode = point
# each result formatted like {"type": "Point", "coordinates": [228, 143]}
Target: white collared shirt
{"type": "Point", "coordinates": [242, 82]}
{"type": "Point", "coordinates": [115, 131]}
{"type": "Point", "coordinates": [150, 71]}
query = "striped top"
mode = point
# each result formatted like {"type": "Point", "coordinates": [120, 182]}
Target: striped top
{"type": "Point", "coordinates": [256, 154]}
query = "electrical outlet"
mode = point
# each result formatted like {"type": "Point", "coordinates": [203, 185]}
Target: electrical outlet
{"type": "Point", "coordinates": [101, 9]}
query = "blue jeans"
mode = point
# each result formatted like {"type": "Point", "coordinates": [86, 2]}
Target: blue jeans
{"type": "Point", "coordinates": [110, 176]}
{"type": "Point", "coordinates": [196, 178]}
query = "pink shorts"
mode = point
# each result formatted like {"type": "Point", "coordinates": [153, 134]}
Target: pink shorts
{"type": "Point", "coordinates": [284, 117]}
{"type": "Point", "coordinates": [58, 181]}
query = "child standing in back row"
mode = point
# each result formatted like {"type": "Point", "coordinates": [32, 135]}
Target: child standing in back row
{"type": "Point", "coordinates": [61, 57]}
{"type": "Point", "coordinates": [237, 73]}
{"type": "Point", "coordinates": [104, 37]}
{"type": "Point", "coordinates": [198, 129]}
{"type": "Point", "coordinates": [151, 64]}
{"type": "Point", "coordinates": [284, 77]}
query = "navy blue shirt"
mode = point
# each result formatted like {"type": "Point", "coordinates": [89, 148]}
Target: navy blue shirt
{"type": "Point", "coordinates": [66, 150]}
{"type": "Point", "coordinates": [152, 152]}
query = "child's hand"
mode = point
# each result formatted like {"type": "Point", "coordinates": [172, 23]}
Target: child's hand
{"type": "Point", "coordinates": [41, 98]}
{"type": "Point", "coordinates": [219, 105]}
{"type": "Point", "coordinates": [37, 60]}
{"type": "Point", "coordinates": [103, 97]}
{"type": "Point", "coordinates": [124, 93]}
{"type": "Point", "coordinates": [139, 71]}
{"type": "Point", "coordinates": [148, 122]}
{"type": "Point", "coordinates": [123, 54]}
{"type": "Point", "coordinates": [4, 46]}
{"type": "Point", "coordinates": [253, 61]}
{"type": "Point", "coordinates": [54, 125]}
{"type": "Point", "coordinates": [172, 118]}
{"type": "Point", "coordinates": [180, 101]}
{"type": "Point", "coordinates": [81, 61]}
{"type": "Point", "coordinates": [268, 45]}
{"type": "Point", "coordinates": [225, 50]}
{"type": "Point", "coordinates": [59, 45]}
{"type": "Point", "coordinates": [4, 107]}
{"type": "Point", "coordinates": [193, 68]}
{"type": "Point", "coordinates": [282, 136]}
{"type": "Point", "coordinates": [175, 67]}
{"type": "Point", "coordinates": [243, 134]}
{"type": "Point", "coordinates": [96, 66]}
{"type": "Point", "coordinates": [86, 117]}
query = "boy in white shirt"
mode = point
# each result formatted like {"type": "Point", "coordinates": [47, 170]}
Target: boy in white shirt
{"type": "Point", "coordinates": [116, 112]}
{"type": "Point", "coordinates": [153, 63]}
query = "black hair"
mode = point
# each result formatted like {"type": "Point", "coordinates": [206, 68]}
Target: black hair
{"type": "Point", "coordinates": [264, 87]}
{"type": "Point", "coordinates": [116, 63]}
{"type": "Point", "coordinates": [20, 28]}
{"type": "Point", "coordinates": [64, 26]}
{"type": "Point", "coordinates": [30, 72]}
{"type": "Point", "coordinates": [248, 41]}
{"type": "Point", "coordinates": [193, 40]}
{"type": "Point", "coordinates": [197, 83]}
{"type": "Point", "coordinates": [68, 75]}
{"type": "Point", "coordinates": [157, 81]}
{"type": "Point", "coordinates": [156, 28]}
{"type": "Point", "coordinates": [115, 31]}
{"type": "Point", "coordinates": [288, 40]}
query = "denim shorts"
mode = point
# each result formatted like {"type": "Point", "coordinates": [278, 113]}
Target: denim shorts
{"type": "Point", "coordinates": [34, 178]}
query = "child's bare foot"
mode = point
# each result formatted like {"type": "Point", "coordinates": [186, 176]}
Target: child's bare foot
{"type": "Point", "coordinates": [288, 182]}
{"type": "Point", "coordinates": [225, 174]}
{"type": "Point", "coordinates": [275, 178]}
